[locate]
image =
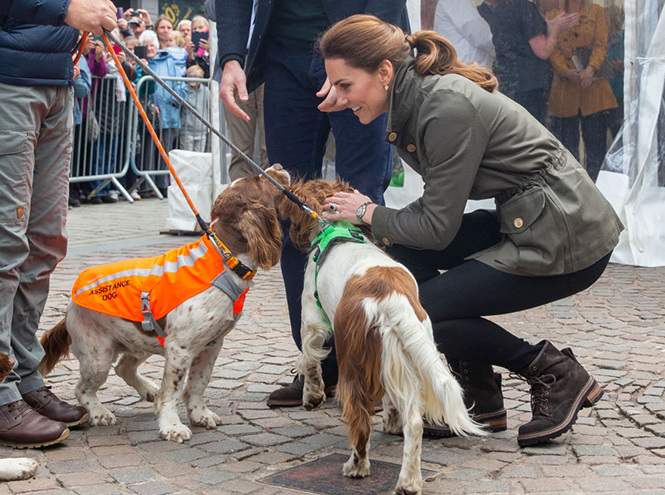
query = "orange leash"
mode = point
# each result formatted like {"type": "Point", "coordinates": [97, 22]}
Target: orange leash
{"type": "Point", "coordinates": [233, 263]}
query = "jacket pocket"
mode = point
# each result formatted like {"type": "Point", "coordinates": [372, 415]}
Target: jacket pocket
{"type": "Point", "coordinates": [529, 224]}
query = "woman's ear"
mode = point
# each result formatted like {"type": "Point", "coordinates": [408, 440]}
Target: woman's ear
{"type": "Point", "coordinates": [386, 72]}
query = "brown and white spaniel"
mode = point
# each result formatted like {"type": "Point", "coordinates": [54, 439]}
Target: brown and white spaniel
{"type": "Point", "coordinates": [383, 339]}
{"type": "Point", "coordinates": [245, 220]}
{"type": "Point", "coordinates": [14, 468]}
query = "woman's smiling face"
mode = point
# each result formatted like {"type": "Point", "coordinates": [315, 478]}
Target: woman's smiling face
{"type": "Point", "coordinates": [361, 91]}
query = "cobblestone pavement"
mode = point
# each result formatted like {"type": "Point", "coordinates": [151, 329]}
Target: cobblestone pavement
{"type": "Point", "coordinates": [617, 329]}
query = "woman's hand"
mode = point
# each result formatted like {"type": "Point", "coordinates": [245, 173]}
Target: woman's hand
{"type": "Point", "coordinates": [329, 92]}
{"type": "Point", "coordinates": [586, 76]}
{"type": "Point", "coordinates": [572, 75]}
{"type": "Point", "coordinates": [343, 206]}
{"type": "Point", "coordinates": [203, 43]}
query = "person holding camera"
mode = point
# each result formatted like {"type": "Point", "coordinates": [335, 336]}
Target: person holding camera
{"type": "Point", "coordinates": [36, 120]}
{"type": "Point", "coordinates": [198, 49]}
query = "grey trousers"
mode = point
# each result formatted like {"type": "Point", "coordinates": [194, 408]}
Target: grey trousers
{"type": "Point", "coordinates": [35, 152]}
{"type": "Point", "coordinates": [243, 135]}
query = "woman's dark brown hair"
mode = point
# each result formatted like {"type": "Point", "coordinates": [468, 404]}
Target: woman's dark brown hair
{"type": "Point", "coordinates": [364, 41]}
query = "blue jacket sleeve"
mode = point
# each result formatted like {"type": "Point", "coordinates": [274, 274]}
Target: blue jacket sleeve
{"type": "Point", "coordinates": [51, 12]}
{"type": "Point", "coordinates": [233, 19]}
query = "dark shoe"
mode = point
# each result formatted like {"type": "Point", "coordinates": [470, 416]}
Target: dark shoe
{"type": "Point", "coordinates": [482, 396]}
{"type": "Point", "coordinates": [73, 202]}
{"type": "Point", "coordinates": [22, 427]}
{"type": "Point", "coordinates": [47, 404]}
{"type": "Point", "coordinates": [291, 394]}
{"type": "Point", "coordinates": [96, 200]}
{"type": "Point", "coordinates": [560, 387]}
{"type": "Point", "coordinates": [109, 198]}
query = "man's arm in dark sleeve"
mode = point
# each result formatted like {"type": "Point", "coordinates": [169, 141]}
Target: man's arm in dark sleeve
{"type": "Point", "coordinates": [233, 19]}
{"type": "Point", "coordinates": [50, 12]}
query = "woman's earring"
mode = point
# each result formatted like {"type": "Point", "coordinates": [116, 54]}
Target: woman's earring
{"type": "Point", "coordinates": [385, 86]}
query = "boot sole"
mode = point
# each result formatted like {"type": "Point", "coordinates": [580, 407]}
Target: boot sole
{"type": "Point", "coordinates": [590, 394]}
{"type": "Point", "coordinates": [36, 445]}
{"type": "Point", "coordinates": [494, 422]}
{"type": "Point", "coordinates": [82, 421]}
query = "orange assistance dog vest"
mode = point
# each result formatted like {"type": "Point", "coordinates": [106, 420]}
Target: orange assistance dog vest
{"type": "Point", "coordinates": [147, 289]}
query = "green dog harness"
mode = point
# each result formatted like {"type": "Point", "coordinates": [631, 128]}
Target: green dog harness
{"type": "Point", "coordinates": [331, 235]}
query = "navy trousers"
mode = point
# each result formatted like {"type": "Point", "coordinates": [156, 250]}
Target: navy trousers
{"type": "Point", "coordinates": [296, 135]}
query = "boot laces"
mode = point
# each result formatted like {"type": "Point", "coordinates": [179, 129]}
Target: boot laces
{"type": "Point", "coordinates": [540, 391]}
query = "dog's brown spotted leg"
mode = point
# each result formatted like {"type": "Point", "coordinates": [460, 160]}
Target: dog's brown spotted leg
{"type": "Point", "coordinates": [178, 360]}
{"type": "Point", "coordinates": [94, 366]}
{"type": "Point", "coordinates": [197, 381]}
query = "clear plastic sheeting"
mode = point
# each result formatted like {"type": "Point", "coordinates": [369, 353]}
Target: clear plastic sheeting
{"type": "Point", "coordinates": [633, 173]}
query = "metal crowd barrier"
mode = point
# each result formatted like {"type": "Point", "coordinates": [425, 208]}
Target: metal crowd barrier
{"type": "Point", "coordinates": [115, 148]}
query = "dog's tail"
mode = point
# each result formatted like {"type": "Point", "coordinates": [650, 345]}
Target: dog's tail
{"type": "Point", "coordinates": [56, 343]}
{"type": "Point", "coordinates": [413, 370]}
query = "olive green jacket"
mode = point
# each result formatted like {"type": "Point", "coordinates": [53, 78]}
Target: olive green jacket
{"type": "Point", "coordinates": [468, 143]}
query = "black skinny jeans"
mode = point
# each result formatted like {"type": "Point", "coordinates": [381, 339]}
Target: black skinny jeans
{"type": "Point", "coordinates": [458, 299]}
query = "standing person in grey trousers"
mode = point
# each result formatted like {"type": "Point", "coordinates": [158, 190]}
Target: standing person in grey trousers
{"type": "Point", "coordinates": [36, 117]}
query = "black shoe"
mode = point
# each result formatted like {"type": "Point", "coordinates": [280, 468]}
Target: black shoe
{"type": "Point", "coordinates": [482, 395]}
{"type": "Point", "coordinates": [291, 395]}
{"type": "Point", "coordinates": [560, 387]}
{"type": "Point", "coordinates": [96, 200]}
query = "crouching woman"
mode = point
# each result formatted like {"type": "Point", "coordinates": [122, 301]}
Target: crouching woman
{"type": "Point", "coordinates": [551, 235]}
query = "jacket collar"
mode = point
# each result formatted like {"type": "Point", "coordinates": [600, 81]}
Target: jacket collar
{"type": "Point", "coordinates": [400, 107]}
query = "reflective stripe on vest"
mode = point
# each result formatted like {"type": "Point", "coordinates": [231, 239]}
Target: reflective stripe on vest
{"type": "Point", "coordinates": [169, 280]}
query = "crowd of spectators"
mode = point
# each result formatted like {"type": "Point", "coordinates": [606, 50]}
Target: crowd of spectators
{"type": "Point", "coordinates": [562, 60]}
{"type": "Point", "coordinates": [103, 107]}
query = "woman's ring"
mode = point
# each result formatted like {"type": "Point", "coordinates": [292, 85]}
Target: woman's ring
{"type": "Point", "coordinates": [333, 207]}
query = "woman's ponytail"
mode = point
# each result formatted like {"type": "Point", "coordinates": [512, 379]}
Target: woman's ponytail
{"type": "Point", "coordinates": [436, 55]}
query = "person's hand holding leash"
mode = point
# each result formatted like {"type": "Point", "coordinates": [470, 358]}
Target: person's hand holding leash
{"type": "Point", "coordinates": [234, 81]}
{"type": "Point", "coordinates": [343, 206]}
{"type": "Point", "coordinates": [92, 15]}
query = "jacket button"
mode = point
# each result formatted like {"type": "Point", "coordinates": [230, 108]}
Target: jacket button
{"type": "Point", "coordinates": [392, 136]}
{"type": "Point", "coordinates": [518, 223]}
{"type": "Point", "coordinates": [411, 148]}
{"type": "Point", "coordinates": [386, 241]}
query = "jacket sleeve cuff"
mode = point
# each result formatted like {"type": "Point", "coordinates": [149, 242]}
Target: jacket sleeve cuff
{"type": "Point", "coordinates": [48, 13]}
{"type": "Point", "coordinates": [380, 229]}
{"type": "Point", "coordinates": [231, 56]}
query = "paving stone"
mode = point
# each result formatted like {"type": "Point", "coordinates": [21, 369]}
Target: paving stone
{"type": "Point", "coordinates": [224, 447]}
{"type": "Point", "coordinates": [129, 476]}
{"type": "Point", "coordinates": [214, 477]}
{"type": "Point", "coordinates": [154, 488]}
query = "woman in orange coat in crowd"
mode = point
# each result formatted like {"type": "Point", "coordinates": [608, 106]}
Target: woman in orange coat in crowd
{"type": "Point", "coordinates": [580, 88]}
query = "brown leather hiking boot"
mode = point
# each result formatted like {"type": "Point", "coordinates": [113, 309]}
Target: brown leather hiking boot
{"type": "Point", "coordinates": [482, 395]}
{"type": "Point", "coordinates": [560, 387]}
{"type": "Point", "coordinates": [291, 395]}
{"type": "Point", "coordinates": [47, 404]}
{"type": "Point", "coordinates": [22, 427]}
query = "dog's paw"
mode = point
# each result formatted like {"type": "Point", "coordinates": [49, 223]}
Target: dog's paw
{"type": "Point", "coordinates": [150, 392]}
{"type": "Point", "coordinates": [313, 400]}
{"type": "Point", "coordinates": [175, 433]}
{"type": "Point", "coordinates": [204, 417]}
{"type": "Point", "coordinates": [101, 416]}
{"type": "Point", "coordinates": [409, 488]}
{"type": "Point", "coordinates": [20, 468]}
{"type": "Point", "coordinates": [356, 469]}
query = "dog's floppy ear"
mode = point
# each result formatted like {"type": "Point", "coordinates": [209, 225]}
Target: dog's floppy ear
{"type": "Point", "coordinates": [263, 234]}
{"type": "Point", "coordinates": [5, 366]}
